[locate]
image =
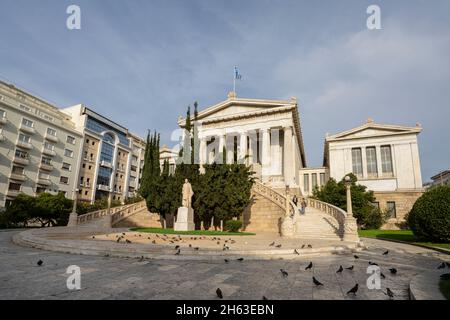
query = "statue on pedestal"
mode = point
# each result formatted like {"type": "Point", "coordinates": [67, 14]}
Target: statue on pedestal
{"type": "Point", "coordinates": [185, 215]}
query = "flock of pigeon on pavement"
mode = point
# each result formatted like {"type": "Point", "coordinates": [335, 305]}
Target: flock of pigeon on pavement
{"type": "Point", "coordinates": [164, 238]}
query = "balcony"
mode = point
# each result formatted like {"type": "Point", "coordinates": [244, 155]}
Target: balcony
{"type": "Point", "coordinates": [49, 152]}
{"type": "Point", "coordinates": [102, 187]}
{"type": "Point", "coordinates": [105, 163]}
{"type": "Point", "coordinates": [27, 129]}
{"type": "Point", "coordinates": [24, 145]}
{"type": "Point", "coordinates": [21, 160]}
{"type": "Point", "coordinates": [44, 181]}
{"type": "Point", "coordinates": [17, 176]}
{"type": "Point", "coordinates": [13, 193]}
{"type": "Point", "coordinates": [3, 120]}
{"type": "Point", "coordinates": [46, 167]}
{"type": "Point", "coordinates": [51, 138]}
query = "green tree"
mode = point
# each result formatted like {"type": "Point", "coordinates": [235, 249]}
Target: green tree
{"type": "Point", "coordinates": [335, 193]}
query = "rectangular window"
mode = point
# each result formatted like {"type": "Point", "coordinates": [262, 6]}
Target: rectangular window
{"type": "Point", "coordinates": [27, 123]}
{"type": "Point", "coordinates": [24, 138]}
{"type": "Point", "coordinates": [70, 140]}
{"type": "Point", "coordinates": [64, 180]}
{"type": "Point", "coordinates": [313, 180]}
{"type": "Point", "coordinates": [21, 154]}
{"type": "Point", "coordinates": [14, 186]}
{"type": "Point", "coordinates": [66, 166]}
{"type": "Point", "coordinates": [2, 113]}
{"type": "Point", "coordinates": [371, 157]}
{"type": "Point", "coordinates": [17, 170]}
{"type": "Point", "coordinates": [391, 209]}
{"type": "Point", "coordinates": [51, 132]}
{"type": "Point", "coordinates": [322, 179]}
{"type": "Point", "coordinates": [49, 146]}
{"type": "Point", "coordinates": [357, 161]}
{"type": "Point", "coordinates": [46, 160]}
{"type": "Point", "coordinates": [68, 153]}
{"type": "Point", "coordinates": [386, 159]}
{"type": "Point", "coordinates": [306, 182]}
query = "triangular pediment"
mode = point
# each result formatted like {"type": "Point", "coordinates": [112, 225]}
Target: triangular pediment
{"type": "Point", "coordinates": [239, 107]}
{"type": "Point", "coordinates": [374, 130]}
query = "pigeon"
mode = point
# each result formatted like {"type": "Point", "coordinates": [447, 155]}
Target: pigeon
{"type": "Point", "coordinates": [353, 290]}
{"type": "Point", "coordinates": [240, 259]}
{"type": "Point", "coordinates": [373, 263]}
{"type": "Point", "coordinates": [218, 242]}
{"type": "Point", "coordinates": [448, 264]}
{"type": "Point", "coordinates": [340, 269]}
{"type": "Point", "coordinates": [154, 241]}
{"type": "Point", "coordinates": [93, 237]}
{"type": "Point", "coordinates": [141, 258]}
{"type": "Point", "coordinates": [127, 241]}
{"type": "Point", "coordinates": [296, 251]}
{"type": "Point", "coordinates": [303, 246]}
{"type": "Point", "coordinates": [393, 270]}
{"type": "Point", "coordinates": [356, 257]}
{"type": "Point", "coordinates": [317, 282]}
{"type": "Point", "coordinates": [442, 265]}
{"type": "Point", "coordinates": [284, 273]}
{"type": "Point", "coordinates": [219, 293]}
{"type": "Point", "coordinates": [382, 275]}
{"type": "Point", "coordinates": [386, 253]}
{"type": "Point", "coordinates": [226, 260]}
{"type": "Point", "coordinates": [118, 239]}
{"type": "Point", "coordinates": [309, 246]}
{"type": "Point", "coordinates": [264, 298]}
{"type": "Point", "coordinates": [178, 252]}
{"type": "Point", "coordinates": [40, 262]}
{"type": "Point", "coordinates": [177, 247]}
{"type": "Point", "coordinates": [270, 245]}
{"type": "Point", "coordinates": [278, 246]}
{"type": "Point", "coordinates": [389, 293]}
{"type": "Point", "coordinates": [148, 238]}
{"type": "Point", "coordinates": [309, 266]}
{"type": "Point", "coordinates": [190, 245]}
{"type": "Point", "coordinates": [123, 233]}
{"type": "Point", "coordinates": [349, 268]}
{"type": "Point", "coordinates": [196, 248]}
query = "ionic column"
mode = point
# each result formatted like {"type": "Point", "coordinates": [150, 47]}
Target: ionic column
{"type": "Point", "coordinates": [251, 149]}
{"type": "Point", "coordinates": [288, 165]}
{"type": "Point", "coordinates": [202, 153]}
{"type": "Point", "coordinates": [230, 149]}
{"type": "Point", "coordinates": [219, 155]}
{"type": "Point", "coordinates": [265, 161]}
{"type": "Point", "coordinates": [242, 148]}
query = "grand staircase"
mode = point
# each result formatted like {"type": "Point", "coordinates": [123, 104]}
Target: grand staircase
{"type": "Point", "coordinates": [269, 208]}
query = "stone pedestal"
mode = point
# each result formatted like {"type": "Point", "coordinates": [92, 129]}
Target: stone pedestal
{"type": "Point", "coordinates": [73, 220]}
{"type": "Point", "coordinates": [287, 227]}
{"type": "Point", "coordinates": [350, 230]}
{"type": "Point", "coordinates": [185, 219]}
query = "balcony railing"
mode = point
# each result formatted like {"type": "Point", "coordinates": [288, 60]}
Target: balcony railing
{"type": "Point", "coordinates": [102, 187]}
{"type": "Point", "coordinates": [17, 176]}
{"type": "Point", "coordinates": [105, 163]}
{"type": "Point", "coordinates": [48, 152]}
{"type": "Point", "coordinates": [3, 120]}
{"type": "Point", "coordinates": [24, 145]}
{"type": "Point", "coordinates": [27, 129]}
{"type": "Point", "coordinates": [44, 181]}
{"type": "Point", "coordinates": [46, 166]}
{"type": "Point", "coordinates": [13, 193]}
{"type": "Point", "coordinates": [21, 160]}
{"type": "Point", "coordinates": [51, 138]}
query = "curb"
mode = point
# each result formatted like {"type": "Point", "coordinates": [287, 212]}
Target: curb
{"type": "Point", "coordinates": [441, 250]}
{"type": "Point", "coordinates": [425, 286]}
{"type": "Point", "coordinates": [28, 239]}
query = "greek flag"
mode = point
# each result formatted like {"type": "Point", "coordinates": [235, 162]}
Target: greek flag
{"type": "Point", "coordinates": [237, 75]}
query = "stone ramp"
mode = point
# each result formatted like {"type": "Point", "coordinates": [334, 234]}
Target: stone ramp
{"type": "Point", "coordinates": [315, 224]}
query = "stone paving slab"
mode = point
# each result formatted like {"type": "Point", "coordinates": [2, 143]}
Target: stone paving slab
{"type": "Point", "coordinates": [125, 278]}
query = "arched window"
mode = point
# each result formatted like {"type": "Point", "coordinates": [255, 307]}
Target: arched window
{"type": "Point", "coordinates": [108, 137]}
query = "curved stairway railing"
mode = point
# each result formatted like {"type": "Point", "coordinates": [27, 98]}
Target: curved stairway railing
{"type": "Point", "coordinates": [274, 196]}
{"type": "Point", "coordinates": [117, 213]}
{"type": "Point", "coordinates": [329, 209]}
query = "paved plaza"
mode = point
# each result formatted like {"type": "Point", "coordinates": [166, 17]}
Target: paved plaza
{"type": "Point", "coordinates": [121, 278]}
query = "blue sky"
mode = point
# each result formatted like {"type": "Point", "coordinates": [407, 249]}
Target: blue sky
{"type": "Point", "coordinates": [141, 63]}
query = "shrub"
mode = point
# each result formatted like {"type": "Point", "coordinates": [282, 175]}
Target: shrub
{"type": "Point", "coordinates": [429, 219]}
{"type": "Point", "coordinates": [375, 219]}
{"type": "Point", "coordinates": [233, 225]}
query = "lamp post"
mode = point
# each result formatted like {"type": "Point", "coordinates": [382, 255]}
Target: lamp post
{"type": "Point", "coordinates": [350, 226]}
{"type": "Point", "coordinates": [73, 217]}
{"type": "Point", "coordinates": [348, 184]}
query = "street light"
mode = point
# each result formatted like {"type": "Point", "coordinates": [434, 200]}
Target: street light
{"type": "Point", "coordinates": [73, 217]}
{"type": "Point", "coordinates": [348, 184]}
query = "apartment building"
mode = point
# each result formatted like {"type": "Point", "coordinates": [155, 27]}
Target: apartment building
{"type": "Point", "coordinates": [38, 146]}
{"type": "Point", "coordinates": [110, 158]}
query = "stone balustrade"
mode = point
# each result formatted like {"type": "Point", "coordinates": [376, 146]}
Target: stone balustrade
{"type": "Point", "coordinates": [274, 196]}
{"type": "Point", "coordinates": [117, 213]}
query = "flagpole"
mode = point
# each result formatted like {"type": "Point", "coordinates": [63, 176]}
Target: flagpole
{"type": "Point", "coordinates": [234, 80]}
